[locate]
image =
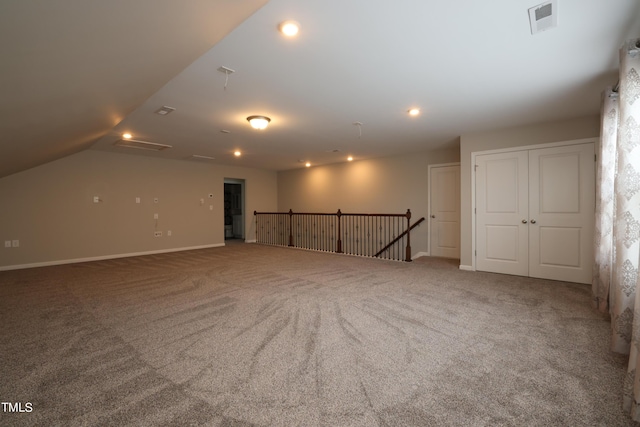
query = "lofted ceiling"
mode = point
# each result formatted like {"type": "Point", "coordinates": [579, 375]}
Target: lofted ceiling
{"type": "Point", "coordinates": [78, 74]}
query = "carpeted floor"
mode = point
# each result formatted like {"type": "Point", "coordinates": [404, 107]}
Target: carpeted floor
{"type": "Point", "coordinates": [251, 335]}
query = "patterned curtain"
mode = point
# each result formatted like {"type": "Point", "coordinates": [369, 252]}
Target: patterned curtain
{"type": "Point", "coordinates": [605, 175]}
{"type": "Point", "coordinates": [625, 301]}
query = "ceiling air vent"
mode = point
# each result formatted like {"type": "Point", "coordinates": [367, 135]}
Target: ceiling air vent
{"type": "Point", "coordinates": [141, 145]}
{"type": "Point", "coordinates": [544, 16]}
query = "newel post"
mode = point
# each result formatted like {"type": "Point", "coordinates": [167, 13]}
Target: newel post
{"type": "Point", "coordinates": [408, 254]}
{"type": "Point", "coordinates": [290, 227]}
{"type": "Point", "coordinates": [255, 214]}
{"type": "Point", "coordinates": [339, 248]}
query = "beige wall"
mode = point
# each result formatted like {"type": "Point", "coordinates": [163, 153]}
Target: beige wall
{"type": "Point", "coordinates": [580, 128]}
{"type": "Point", "coordinates": [383, 185]}
{"type": "Point", "coordinates": [50, 208]}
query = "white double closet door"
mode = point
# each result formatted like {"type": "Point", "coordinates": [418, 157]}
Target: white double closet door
{"type": "Point", "coordinates": [535, 212]}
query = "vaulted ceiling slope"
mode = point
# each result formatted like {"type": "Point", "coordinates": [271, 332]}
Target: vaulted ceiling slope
{"type": "Point", "coordinates": [79, 74]}
{"type": "Point", "coordinates": [73, 69]}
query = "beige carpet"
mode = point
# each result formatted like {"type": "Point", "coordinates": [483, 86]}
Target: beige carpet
{"type": "Point", "coordinates": [251, 335]}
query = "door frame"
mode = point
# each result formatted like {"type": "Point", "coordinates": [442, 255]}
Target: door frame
{"type": "Point", "coordinates": [474, 154]}
{"type": "Point", "coordinates": [241, 182]}
{"type": "Point", "coordinates": [429, 168]}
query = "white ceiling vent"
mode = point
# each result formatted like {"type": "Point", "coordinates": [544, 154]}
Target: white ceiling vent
{"type": "Point", "coordinates": [141, 145]}
{"type": "Point", "coordinates": [544, 16]}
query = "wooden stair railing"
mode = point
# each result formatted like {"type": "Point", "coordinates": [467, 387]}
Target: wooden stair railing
{"type": "Point", "coordinates": [350, 233]}
{"type": "Point", "coordinates": [391, 243]}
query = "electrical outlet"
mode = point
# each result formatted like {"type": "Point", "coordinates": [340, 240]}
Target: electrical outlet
{"type": "Point", "coordinates": [155, 216]}
{"type": "Point", "coordinates": [7, 243]}
{"type": "Point", "coordinates": [210, 207]}
{"type": "Point", "coordinates": [168, 233]}
{"type": "Point", "coordinates": [137, 199]}
{"type": "Point", "coordinates": [15, 243]}
{"type": "Point", "coordinates": [158, 234]}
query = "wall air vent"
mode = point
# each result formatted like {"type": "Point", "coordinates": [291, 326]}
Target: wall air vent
{"type": "Point", "coordinates": [201, 157]}
{"type": "Point", "coordinates": [141, 145]}
{"type": "Point", "coordinates": [544, 16]}
{"type": "Point", "coordinates": [164, 110]}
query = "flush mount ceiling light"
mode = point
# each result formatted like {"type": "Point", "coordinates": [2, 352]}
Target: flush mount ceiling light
{"type": "Point", "coordinates": [126, 135]}
{"type": "Point", "coordinates": [258, 122]}
{"type": "Point", "coordinates": [237, 153]}
{"type": "Point", "coordinates": [350, 158]}
{"type": "Point", "coordinates": [414, 111]}
{"type": "Point", "coordinates": [289, 28]}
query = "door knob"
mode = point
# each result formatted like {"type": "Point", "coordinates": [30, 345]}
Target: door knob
{"type": "Point", "coordinates": [533, 221]}
{"type": "Point", "coordinates": [524, 221]}
{"type": "Point", "coordinates": [433, 216]}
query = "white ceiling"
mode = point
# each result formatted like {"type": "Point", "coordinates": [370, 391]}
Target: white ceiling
{"type": "Point", "coordinates": [98, 70]}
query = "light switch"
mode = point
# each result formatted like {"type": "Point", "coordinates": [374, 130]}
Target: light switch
{"type": "Point", "coordinates": [15, 243]}
{"type": "Point", "coordinates": [96, 199]}
{"type": "Point", "coordinates": [210, 207]}
{"type": "Point", "coordinates": [155, 216]}
{"type": "Point", "coordinates": [7, 243]}
{"type": "Point", "coordinates": [137, 199]}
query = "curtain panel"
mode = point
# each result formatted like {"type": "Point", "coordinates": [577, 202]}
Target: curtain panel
{"type": "Point", "coordinates": [625, 300]}
{"type": "Point", "coordinates": [605, 176]}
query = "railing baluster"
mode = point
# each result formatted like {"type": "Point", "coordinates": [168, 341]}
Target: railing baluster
{"type": "Point", "coordinates": [354, 234]}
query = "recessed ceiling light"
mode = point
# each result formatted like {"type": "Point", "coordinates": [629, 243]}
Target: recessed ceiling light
{"type": "Point", "coordinates": [237, 153]}
{"type": "Point", "coordinates": [126, 135]}
{"type": "Point", "coordinates": [350, 158]}
{"type": "Point", "coordinates": [414, 111]}
{"type": "Point", "coordinates": [258, 122]}
{"type": "Point", "coordinates": [308, 164]}
{"type": "Point", "coordinates": [289, 28]}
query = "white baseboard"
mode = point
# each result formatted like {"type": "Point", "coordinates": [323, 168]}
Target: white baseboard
{"type": "Point", "coordinates": [105, 257]}
{"type": "Point", "coordinates": [467, 268]}
{"type": "Point", "coordinates": [420, 254]}
{"type": "Point", "coordinates": [250, 241]}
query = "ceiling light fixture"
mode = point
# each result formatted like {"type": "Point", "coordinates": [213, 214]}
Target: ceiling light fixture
{"type": "Point", "coordinates": [350, 158]}
{"type": "Point", "coordinates": [237, 153]}
{"type": "Point", "coordinates": [308, 164]}
{"type": "Point", "coordinates": [289, 28]}
{"type": "Point", "coordinates": [126, 135]}
{"type": "Point", "coordinates": [258, 122]}
{"type": "Point", "coordinates": [414, 111]}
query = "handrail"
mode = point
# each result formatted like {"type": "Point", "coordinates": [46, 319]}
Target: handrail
{"type": "Point", "coordinates": [340, 232]}
{"type": "Point", "coordinates": [381, 251]}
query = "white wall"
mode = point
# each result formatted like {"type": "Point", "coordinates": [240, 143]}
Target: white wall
{"type": "Point", "coordinates": [50, 208]}
{"type": "Point", "coordinates": [383, 185]}
{"type": "Point", "coordinates": [580, 128]}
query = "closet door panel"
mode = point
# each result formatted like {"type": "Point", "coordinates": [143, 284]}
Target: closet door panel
{"type": "Point", "coordinates": [561, 212]}
{"type": "Point", "coordinates": [501, 207]}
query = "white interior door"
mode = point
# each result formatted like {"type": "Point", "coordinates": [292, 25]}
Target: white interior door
{"type": "Point", "coordinates": [561, 212]}
{"type": "Point", "coordinates": [502, 206]}
{"type": "Point", "coordinates": [444, 218]}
